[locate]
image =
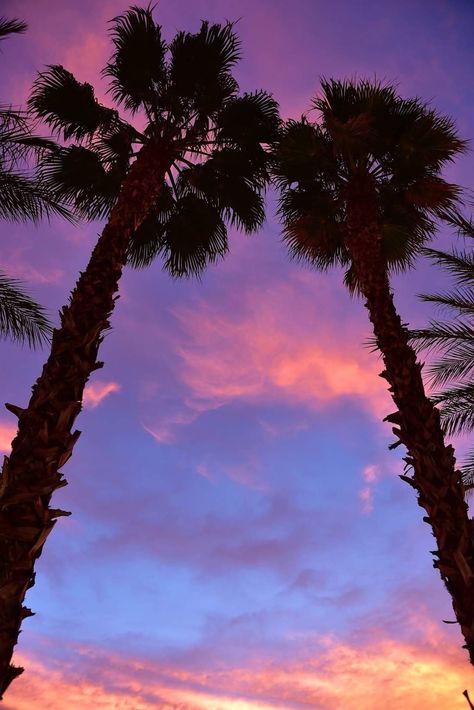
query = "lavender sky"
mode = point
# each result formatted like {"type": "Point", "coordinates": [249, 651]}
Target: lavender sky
{"type": "Point", "coordinates": [240, 539]}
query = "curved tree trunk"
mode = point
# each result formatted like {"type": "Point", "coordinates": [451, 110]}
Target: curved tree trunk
{"type": "Point", "coordinates": [45, 436]}
{"type": "Point", "coordinates": [435, 478]}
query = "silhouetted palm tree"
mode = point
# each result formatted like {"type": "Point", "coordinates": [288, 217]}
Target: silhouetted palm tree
{"type": "Point", "coordinates": [22, 197]}
{"type": "Point", "coordinates": [363, 188]}
{"type": "Point", "coordinates": [170, 187]}
{"type": "Point", "coordinates": [453, 341]}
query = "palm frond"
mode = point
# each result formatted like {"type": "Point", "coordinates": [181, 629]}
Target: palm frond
{"type": "Point", "coordinates": [237, 197]}
{"type": "Point", "coordinates": [77, 176]}
{"type": "Point", "coordinates": [249, 120]}
{"type": "Point", "coordinates": [8, 27]}
{"type": "Point", "coordinates": [467, 472]}
{"type": "Point", "coordinates": [195, 236]}
{"type": "Point", "coordinates": [200, 67]}
{"type": "Point", "coordinates": [405, 136]}
{"type": "Point", "coordinates": [21, 318]}
{"type": "Point", "coordinates": [458, 263]}
{"type": "Point", "coordinates": [147, 241]}
{"type": "Point", "coordinates": [432, 193]}
{"type": "Point", "coordinates": [137, 67]}
{"type": "Point", "coordinates": [23, 198]}
{"type": "Point", "coordinates": [114, 146]}
{"type": "Point", "coordinates": [426, 140]}
{"type": "Point", "coordinates": [67, 106]}
{"type": "Point", "coordinates": [313, 226]}
{"type": "Point", "coordinates": [304, 153]}
{"type": "Point", "coordinates": [17, 142]}
{"type": "Point", "coordinates": [457, 363]}
{"type": "Point", "coordinates": [346, 99]}
{"type": "Point", "coordinates": [443, 334]}
{"type": "Point", "coordinates": [457, 410]}
{"type": "Point", "coordinates": [460, 300]}
{"type": "Point", "coordinates": [464, 226]}
{"type": "Point", "coordinates": [351, 113]}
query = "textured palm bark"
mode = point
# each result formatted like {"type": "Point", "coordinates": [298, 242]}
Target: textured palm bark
{"type": "Point", "coordinates": [45, 436]}
{"type": "Point", "coordinates": [435, 478]}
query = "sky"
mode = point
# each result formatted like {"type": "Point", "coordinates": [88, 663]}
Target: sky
{"type": "Point", "coordinates": [239, 538]}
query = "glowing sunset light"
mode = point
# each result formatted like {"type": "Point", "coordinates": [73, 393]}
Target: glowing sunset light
{"type": "Point", "coordinates": [7, 432]}
{"type": "Point", "coordinates": [240, 538]}
{"type": "Point", "coordinates": [386, 673]}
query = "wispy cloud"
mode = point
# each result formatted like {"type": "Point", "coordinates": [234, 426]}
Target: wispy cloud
{"type": "Point", "coordinates": [370, 475]}
{"type": "Point", "coordinates": [165, 429]}
{"type": "Point", "coordinates": [96, 392]}
{"type": "Point", "coordinates": [274, 349]}
{"type": "Point", "coordinates": [21, 269]}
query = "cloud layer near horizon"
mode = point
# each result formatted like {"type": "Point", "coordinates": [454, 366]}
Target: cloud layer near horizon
{"type": "Point", "coordinates": [382, 674]}
{"type": "Point", "coordinates": [240, 539]}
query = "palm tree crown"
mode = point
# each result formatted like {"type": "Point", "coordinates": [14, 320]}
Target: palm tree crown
{"type": "Point", "coordinates": [365, 132]}
{"type": "Point", "coordinates": [189, 100]}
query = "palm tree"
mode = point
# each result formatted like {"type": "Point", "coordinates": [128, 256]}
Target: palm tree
{"type": "Point", "coordinates": [22, 197]}
{"type": "Point", "coordinates": [362, 188]}
{"type": "Point", "coordinates": [167, 190]}
{"type": "Point", "coordinates": [453, 341]}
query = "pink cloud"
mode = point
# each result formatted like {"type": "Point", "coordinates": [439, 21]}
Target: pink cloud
{"type": "Point", "coordinates": [96, 392]}
{"type": "Point", "coordinates": [277, 347]}
{"type": "Point", "coordinates": [204, 471]}
{"type": "Point", "coordinates": [20, 269]}
{"type": "Point", "coordinates": [370, 474]}
{"type": "Point", "coordinates": [248, 474]}
{"type": "Point", "coordinates": [366, 496]}
{"type": "Point", "coordinates": [326, 673]}
{"type": "Point", "coordinates": [7, 434]}
{"type": "Point", "coordinates": [164, 431]}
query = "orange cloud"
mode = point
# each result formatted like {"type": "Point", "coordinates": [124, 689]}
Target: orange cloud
{"type": "Point", "coordinates": [277, 346]}
{"type": "Point", "coordinates": [95, 392]}
{"type": "Point", "coordinates": [387, 674]}
{"type": "Point", "coordinates": [7, 434]}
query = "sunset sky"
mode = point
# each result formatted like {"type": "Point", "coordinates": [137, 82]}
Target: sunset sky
{"type": "Point", "coordinates": [239, 538]}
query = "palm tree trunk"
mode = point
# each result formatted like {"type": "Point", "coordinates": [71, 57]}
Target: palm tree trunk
{"type": "Point", "coordinates": [45, 437]}
{"type": "Point", "coordinates": [435, 478]}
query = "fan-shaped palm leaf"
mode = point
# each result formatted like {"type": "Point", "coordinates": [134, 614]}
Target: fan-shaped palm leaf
{"type": "Point", "coordinates": [200, 68]}
{"type": "Point", "coordinates": [137, 66]}
{"type": "Point", "coordinates": [66, 105]}
{"type": "Point", "coordinates": [20, 317]}
{"type": "Point", "coordinates": [77, 176]}
{"type": "Point", "coordinates": [195, 235]}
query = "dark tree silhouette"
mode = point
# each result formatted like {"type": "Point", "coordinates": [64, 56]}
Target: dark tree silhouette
{"type": "Point", "coordinates": [22, 197]}
{"type": "Point", "coordinates": [363, 188]}
{"type": "Point", "coordinates": [167, 190]}
{"type": "Point", "coordinates": [453, 341]}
